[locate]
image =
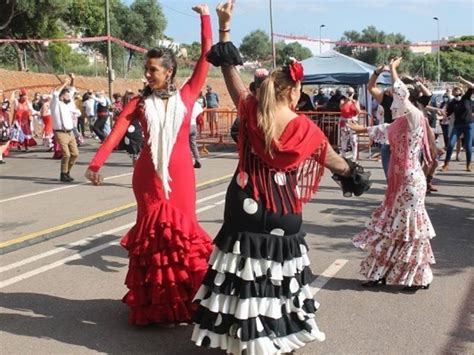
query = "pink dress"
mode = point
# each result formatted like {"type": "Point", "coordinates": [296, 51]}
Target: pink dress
{"type": "Point", "coordinates": [398, 234]}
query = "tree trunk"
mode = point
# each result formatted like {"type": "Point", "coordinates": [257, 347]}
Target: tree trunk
{"type": "Point", "coordinates": [19, 57]}
{"type": "Point", "coordinates": [9, 13]}
{"type": "Point", "coordinates": [129, 63]}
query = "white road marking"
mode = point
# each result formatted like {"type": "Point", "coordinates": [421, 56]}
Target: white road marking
{"type": "Point", "coordinates": [48, 267]}
{"type": "Point", "coordinates": [59, 188]}
{"type": "Point", "coordinates": [87, 182]}
{"type": "Point", "coordinates": [327, 274]}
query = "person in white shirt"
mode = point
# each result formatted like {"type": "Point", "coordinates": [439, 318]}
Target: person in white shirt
{"type": "Point", "coordinates": [89, 109]}
{"type": "Point", "coordinates": [62, 110]}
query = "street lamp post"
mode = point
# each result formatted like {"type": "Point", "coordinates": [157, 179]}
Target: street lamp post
{"type": "Point", "coordinates": [439, 51]}
{"type": "Point", "coordinates": [320, 27]}
{"type": "Point", "coordinates": [271, 35]}
{"type": "Point", "coordinates": [110, 73]}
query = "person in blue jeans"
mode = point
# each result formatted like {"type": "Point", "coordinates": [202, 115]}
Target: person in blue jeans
{"type": "Point", "coordinates": [461, 107]}
{"type": "Point", "coordinates": [385, 99]}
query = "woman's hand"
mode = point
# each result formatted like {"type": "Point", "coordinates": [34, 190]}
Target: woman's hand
{"type": "Point", "coordinates": [201, 9]}
{"type": "Point", "coordinates": [94, 177]}
{"type": "Point", "coordinates": [395, 62]}
{"type": "Point", "coordinates": [224, 13]}
{"type": "Point", "coordinates": [357, 128]}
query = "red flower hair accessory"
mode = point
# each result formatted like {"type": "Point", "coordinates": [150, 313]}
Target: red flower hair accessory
{"type": "Point", "coordinates": [295, 69]}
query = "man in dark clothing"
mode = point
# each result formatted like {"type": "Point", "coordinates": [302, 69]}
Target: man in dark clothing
{"type": "Point", "coordinates": [335, 101]}
{"type": "Point", "coordinates": [461, 107]}
{"type": "Point", "coordinates": [320, 100]}
{"type": "Point", "coordinates": [304, 103]}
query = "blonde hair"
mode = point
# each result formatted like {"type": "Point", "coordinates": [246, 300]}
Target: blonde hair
{"type": "Point", "coordinates": [272, 91]}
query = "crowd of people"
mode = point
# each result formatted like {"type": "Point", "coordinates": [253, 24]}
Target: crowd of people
{"type": "Point", "coordinates": [249, 293]}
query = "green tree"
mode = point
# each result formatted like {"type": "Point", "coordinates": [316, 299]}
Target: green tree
{"type": "Point", "coordinates": [35, 19]}
{"type": "Point", "coordinates": [256, 46]}
{"type": "Point", "coordinates": [376, 55]}
{"type": "Point", "coordinates": [194, 50]}
{"type": "Point", "coordinates": [293, 49]}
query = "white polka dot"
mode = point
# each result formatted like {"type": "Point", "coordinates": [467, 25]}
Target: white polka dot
{"type": "Point", "coordinates": [239, 333]}
{"type": "Point", "coordinates": [250, 206]}
{"type": "Point", "coordinates": [278, 231]}
{"type": "Point", "coordinates": [218, 320]}
{"type": "Point", "coordinates": [126, 141]}
{"type": "Point", "coordinates": [303, 249]}
{"type": "Point", "coordinates": [294, 286]}
{"type": "Point", "coordinates": [236, 249]}
{"type": "Point", "coordinates": [301, 315]}
{"type": "Point", "coordinates": [259, 325]}
{"type": "Point", "coordinates": [131, 129]}
{"type": "Point", "coordinates": [219, 280]}
{"type": "Point", "coordinates": [280, 178]}
{"type": "Point", "coordinates": [242, 182]}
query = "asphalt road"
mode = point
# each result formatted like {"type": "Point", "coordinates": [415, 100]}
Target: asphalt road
{"type": "Point", "coordinates": [62, 295]}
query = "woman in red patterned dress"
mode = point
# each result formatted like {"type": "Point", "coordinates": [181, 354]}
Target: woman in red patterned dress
{"type": "Point", "coordinates": [168, 250]}
{"type": "Point", "coordinates": [22, 111]}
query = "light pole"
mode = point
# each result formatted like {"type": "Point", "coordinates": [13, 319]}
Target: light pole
{"type": "Point", "coordinates": [320, 27]}
{"type": "Point", "coordinates": [439, 51]}
{"type": "Point", "coordinates": [110, 73]}
{"type": "Point", "coordinates": [271, 35]}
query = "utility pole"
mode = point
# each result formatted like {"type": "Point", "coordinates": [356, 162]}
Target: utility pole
{"type": "Point", "coordinates": [110, 72]}
{"type": "Point", "coordinates": [439, 52]}
{"type": "Point", "coordinates": [320, 47]}
{"type": "Point", "coordinates": [271, 34]}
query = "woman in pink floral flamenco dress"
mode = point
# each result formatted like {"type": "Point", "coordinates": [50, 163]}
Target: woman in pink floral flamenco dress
{"type": "Point", "coordinates": [167, 248]}
{"type": "Point", "coordinates": [398, 234]}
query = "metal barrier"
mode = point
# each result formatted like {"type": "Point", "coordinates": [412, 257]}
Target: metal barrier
{"type": "Point", "coordinates": [328, 122]}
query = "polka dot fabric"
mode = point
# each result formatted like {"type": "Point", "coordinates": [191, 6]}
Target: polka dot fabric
{"type": "Point", "coordinates": [255, 298]}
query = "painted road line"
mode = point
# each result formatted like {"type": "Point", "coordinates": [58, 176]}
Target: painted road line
{"type": "Point", "coordinates": [59, 188]}
{"type": "Point", "coordinates": [97, 236]}
{"type": "Point", "coordinates": [87, 182]}
{"type": "Point", "coordinates": [69, 246]}
{"type": "Point", "coordinates": [327, 275]}
{"type": "Point", "coordinates": [100, 215]}
{"type": "Point", "coordinates": [77, 256]}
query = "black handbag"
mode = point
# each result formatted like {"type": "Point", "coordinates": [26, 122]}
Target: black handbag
{"type": "Point", "coordinates": [357, 182]}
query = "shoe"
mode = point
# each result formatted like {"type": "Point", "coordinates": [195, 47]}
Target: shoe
{"type": "Point", "coordinates": [445, 167]}
{"type": "Point", "coordinates": [197, 165]}
{"type": "Point", "coordinates": [374, 283]}
{"type": "Point", "coordinates": [65, 178]}
{"type": "Point", "coordinates": [416, 288]}
{"type": "Point", "coordinates": [469, 168]}
{"type": "Point", "coordinates": [70, 178]}
{"type": "Point", "coordinates": [2, 162]}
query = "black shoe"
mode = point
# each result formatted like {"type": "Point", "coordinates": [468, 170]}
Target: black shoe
{"type": "Point", "coordinates": [374, 283]}
{"type": "Point", "coordinates": [69, 176]}
{"type": "Point", "coordinates": [65, 178]}
{"type": "Point", "coordinates": [415, 288]}
{"type": "Point", "coordinates": [3, 162]}
{"type": "Point", "coordinates": [197, 165]}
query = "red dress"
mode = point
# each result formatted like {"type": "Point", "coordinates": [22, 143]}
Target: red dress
{"type": "Point", "coordinates": [168, 250]}
{"type": "Point", "coordinates": [22, 115]}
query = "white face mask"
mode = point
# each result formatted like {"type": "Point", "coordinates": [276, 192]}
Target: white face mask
{"type": "Point", "coordinates": [457, 98]}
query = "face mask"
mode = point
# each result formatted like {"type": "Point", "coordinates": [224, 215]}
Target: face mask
{"type": "Point", "coordinates": [457, 98]}
{"type": "Point", "coordinates": [66, 101]}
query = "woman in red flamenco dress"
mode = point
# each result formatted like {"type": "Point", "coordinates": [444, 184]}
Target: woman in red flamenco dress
{"type": "Point", "coordinates": [22, 111]}
{"type": "Point", "coordinates": [167, 248]}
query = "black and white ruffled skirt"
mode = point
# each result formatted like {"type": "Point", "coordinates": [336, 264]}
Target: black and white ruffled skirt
{"type": "Point", "coordinates": [256, 296]}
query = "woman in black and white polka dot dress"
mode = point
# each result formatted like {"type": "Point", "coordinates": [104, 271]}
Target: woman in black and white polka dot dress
{"type": "Point", "coordinates": [255, 297]}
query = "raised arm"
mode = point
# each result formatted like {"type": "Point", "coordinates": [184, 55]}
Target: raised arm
{"type": "Point", "coordinates": [233, 81]}
{"type": "Point", "coordinates": [124, 120]}
{"type": "Point", "coordinates": [198, 78]}
{"type": "Point", "coordinates": [465, 82]}
{"type": "Point", "coordinates": [375, 91]}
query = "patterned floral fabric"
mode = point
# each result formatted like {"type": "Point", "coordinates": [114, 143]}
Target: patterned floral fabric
{"type": "Point", "coordinates": [398, 234]}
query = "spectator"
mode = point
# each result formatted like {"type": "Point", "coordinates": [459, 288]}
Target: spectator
{"type": "Point", "coordinates": [350, 110]}
{"type": "Point", "coordinates": [304, 103]}
{"type": "Point", "coordinates": [89, 108]}
{"type": "Point", "coordinates": [334, 102]}
{"type": "Point", "coordinates": [201, 100]}
{"type": "Point", "coordinates": [197, 111]}
{"type": "Point", "coordinates": [320, 100]}
{"type": "Point", "coordinates": [102, 111]}
{"type": "Point", "coordinates": [212, 102]}
{"type": "Point", "coordinates": [461, 107]}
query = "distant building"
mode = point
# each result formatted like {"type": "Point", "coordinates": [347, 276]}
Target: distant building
{"type": "Point", "coordinates": [431, 47]}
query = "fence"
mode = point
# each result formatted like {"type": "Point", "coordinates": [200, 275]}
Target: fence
{"type": "Point", "coordinates": [210, 133]}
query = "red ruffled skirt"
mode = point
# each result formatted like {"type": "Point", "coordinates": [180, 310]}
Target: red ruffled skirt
{"type": "Point", "coordinates": [168, 260]}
